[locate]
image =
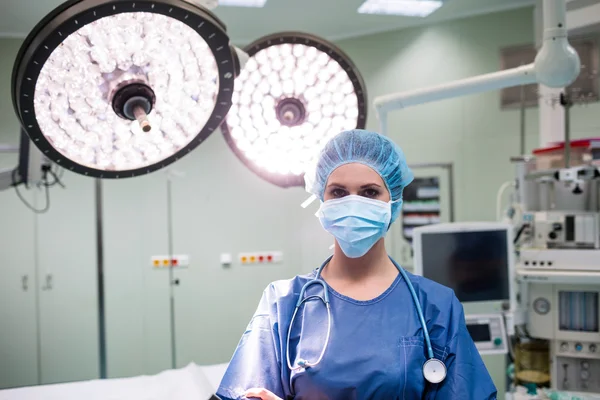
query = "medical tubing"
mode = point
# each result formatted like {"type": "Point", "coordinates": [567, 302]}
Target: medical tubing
{"type": "Point", "coordinates": [328, 333]}
{"type": "Point", "coordinates": [287, 344]}
{"type": "Point", "coordinates": [499, 194]}
{"type": "Point", "coordinates": [419, 310]}
{"type": "Point", "coordinates": [300, 302]}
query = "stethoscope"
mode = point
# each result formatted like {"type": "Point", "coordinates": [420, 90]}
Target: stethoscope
{"type": "Point", "coordinates": [434, 370]}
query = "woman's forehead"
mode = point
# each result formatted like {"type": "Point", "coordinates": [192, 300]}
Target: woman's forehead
{"type": "Point", "coordinates": [354, 174]}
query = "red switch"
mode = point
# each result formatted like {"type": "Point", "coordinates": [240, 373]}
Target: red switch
{"type": "Point", "coordinates": [270, 258]}
{"type": "Point", "coordinates": [174, 262]}
{"type": "Point", "coordinates": [261, 258]}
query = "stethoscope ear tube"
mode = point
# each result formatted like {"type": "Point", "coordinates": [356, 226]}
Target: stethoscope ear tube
{"type": "Point", "coordinates": [325, 299]}
{"type": "Point", "coordinates": [308, 284]}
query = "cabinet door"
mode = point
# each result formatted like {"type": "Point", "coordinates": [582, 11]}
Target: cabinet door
{"type": "Point", "coordinates": [67, 283]}
{"type": "Point", "coordinates": [425, 201]}
{"type": "Point", "coordinates": [18, 323]}
{"type": "Point", "coordinates": [138, 326]}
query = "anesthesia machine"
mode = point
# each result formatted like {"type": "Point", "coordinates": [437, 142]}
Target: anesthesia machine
{"type": "Point", "coordinates": [558, 237]}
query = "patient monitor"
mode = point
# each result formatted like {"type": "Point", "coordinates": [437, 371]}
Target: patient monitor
{"type": "Point", "coordinates": [488, 333]}
{"type": "Point", "coordinates": [474, 259]}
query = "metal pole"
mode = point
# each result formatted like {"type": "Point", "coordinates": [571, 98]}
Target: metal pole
{"type": "Point", "coordinates": [565, 101]}
{"type": "Point", "coordinates": [522, 130]}
{"type": "Point", "coordinates": [100, 278]}
{"type": "Point", "coordinates": [451, 190]}
{"type": "Point", "coordinates": [172, 281]}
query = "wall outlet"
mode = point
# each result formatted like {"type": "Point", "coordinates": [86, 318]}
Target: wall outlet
{"type": "Point", "coordinates": [179, 261]}
{"type": "Point", "coordinates": [260, 257]}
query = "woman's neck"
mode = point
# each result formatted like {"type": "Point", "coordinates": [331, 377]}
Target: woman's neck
{"type": "Point", "coordinates": [376, 263]}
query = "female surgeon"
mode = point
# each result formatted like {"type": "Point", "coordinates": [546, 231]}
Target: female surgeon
{"type": "Point", "coordinates": [358, 332]}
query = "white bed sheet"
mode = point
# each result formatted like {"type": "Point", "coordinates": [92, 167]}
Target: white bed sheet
{"type": "Point", "coordinates": [190, 383]}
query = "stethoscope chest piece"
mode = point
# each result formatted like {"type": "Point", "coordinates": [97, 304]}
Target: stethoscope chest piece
{"type": "Point", "coordinates": [434, 370]}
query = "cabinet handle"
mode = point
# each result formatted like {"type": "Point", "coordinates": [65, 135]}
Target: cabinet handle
{"type": "Point", "coordinates": [48, 285]}
{"type": "Point", "coordinates": [25, 282]}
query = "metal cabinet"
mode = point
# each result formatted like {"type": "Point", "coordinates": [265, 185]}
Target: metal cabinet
{"type": "Point", "coordinates": [48, 319]}
{"type": "Point", "coordinates": [66, 248]}
{"type": "Point", "coordinates": [138, 330]}
{"type": "Point", "coordinates": [18, 294]}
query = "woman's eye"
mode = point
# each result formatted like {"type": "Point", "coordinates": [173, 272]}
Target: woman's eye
{"type": "Point", "coordinates": [371, 193]}
{"type": "Point", "coordinates": [338, 193]}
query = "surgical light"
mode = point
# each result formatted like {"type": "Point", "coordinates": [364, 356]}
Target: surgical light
{"type": "Point", "coordinates": [115, 89]}
{"type": "Point", "coordinates": [408, 8]}
{"type": "Point", "coordinates": [295, 92]}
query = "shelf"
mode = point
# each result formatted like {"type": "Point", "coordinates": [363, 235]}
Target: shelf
{"type": "Point", "coordinates": [428, 192]}
{"type": "Point", "coordinates": [421, 205]}
{"type": "Point", "coordinates": [553, 277]}
{"type": "Point", "coordinates": [420, 219]}
{"type": "Point", "coordinates": [407, 208]}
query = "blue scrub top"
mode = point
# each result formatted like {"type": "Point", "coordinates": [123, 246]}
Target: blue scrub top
{"type": "Point", "coordinates": [376, 349]}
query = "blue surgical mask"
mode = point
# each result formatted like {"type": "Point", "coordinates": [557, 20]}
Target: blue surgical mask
{"type": "Point", "coordinates": [356, 222]}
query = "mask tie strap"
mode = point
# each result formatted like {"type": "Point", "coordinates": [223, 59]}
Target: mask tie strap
{"type": "Point", "coordinates": [308, 201]}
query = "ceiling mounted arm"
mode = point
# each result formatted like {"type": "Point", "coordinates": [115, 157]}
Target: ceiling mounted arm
{"type": "Point", "coordinates": [482, 83]}
{"type": "Point", "coordinates": [556, 65]}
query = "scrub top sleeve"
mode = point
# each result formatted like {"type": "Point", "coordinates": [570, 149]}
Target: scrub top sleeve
{"type": "Point", "coordinates": [467, 376]}
{"type": "Point", "coordinates": [255, 362]}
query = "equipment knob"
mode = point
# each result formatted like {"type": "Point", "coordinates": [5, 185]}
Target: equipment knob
{"type": "Point", "coordinates": [592, 348]}
{"type": "Point", "coordinates": [578, 347]}
{"type": "Point", "coordinates": [497, 341]}
{"type": "Point", "coordinates": [585, 365]}
{"type": "Point", "coordinates": [585, 374]}
{"type": "Point", "coordinates": [564, 346]}
{"type": "Point", "coordinates": [552, 235]}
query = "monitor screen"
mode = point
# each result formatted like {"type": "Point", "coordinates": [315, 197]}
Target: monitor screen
{"type": "Point", "coordinates": [479, 333]}
{"type": "Point", "coordinates": [475, 264]}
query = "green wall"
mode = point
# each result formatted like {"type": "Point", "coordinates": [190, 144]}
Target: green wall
{"type": "Point", "coordinates": [211, 200]}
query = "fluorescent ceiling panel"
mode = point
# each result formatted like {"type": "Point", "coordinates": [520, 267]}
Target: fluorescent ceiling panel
{"type": "Point", "coordinates": [242, 3]}
{"type": "Point", "coordinates": [409, 8]}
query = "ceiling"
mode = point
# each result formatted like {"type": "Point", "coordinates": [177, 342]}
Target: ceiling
{"type": "Point", "coordinates": [330, 19]}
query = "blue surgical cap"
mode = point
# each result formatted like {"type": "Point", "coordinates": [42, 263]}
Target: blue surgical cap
{"type": "Point", "coordinates": [368, 148]}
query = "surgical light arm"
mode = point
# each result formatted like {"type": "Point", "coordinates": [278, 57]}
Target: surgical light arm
{"type": "Point", "coordinates": [31, 166]}
{"type": "Point", "coordinates": [6, 175]}
{"type": "Point", "coordinates": [6, 179]}
{"type": "Point", "coordinates": [556, 65]}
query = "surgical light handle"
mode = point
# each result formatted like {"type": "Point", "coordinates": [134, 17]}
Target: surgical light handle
{"type": "Point", "coordinates": [556, 65]}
